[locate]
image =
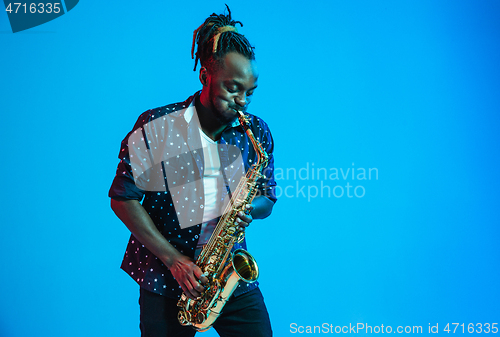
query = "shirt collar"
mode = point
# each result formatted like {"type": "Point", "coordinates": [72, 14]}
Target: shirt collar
{"type": "Point", "coordinates": [190, 110]}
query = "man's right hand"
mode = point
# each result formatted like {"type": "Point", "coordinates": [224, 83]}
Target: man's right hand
{"type": "Point", "coordinates": [138, 221]}
{"type": "Point", "coordinates": [188, 275]}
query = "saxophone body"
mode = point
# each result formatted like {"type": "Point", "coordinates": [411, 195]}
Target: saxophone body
{"type": "Point", "coordinates": [223, 268]}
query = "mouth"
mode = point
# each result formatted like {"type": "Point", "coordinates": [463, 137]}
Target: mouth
{"type": "Point", "coordinates": [237, 110]}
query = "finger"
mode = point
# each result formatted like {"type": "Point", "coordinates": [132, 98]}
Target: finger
{"type": "Point", "coordinates": [202, 278]}
{"type": "Point", "coordinates": [194, 287]}
{"type": "Point", "coordinates": [190, 291]}
{"type": "Point", "coordinates": [246, 218]}
{"type": "Point", "coordinates": [193, 293]}
{"type": "Point", "coordinates": [197, 287]}
{"type": "Point", "coordinates": [249, 208]}
{"type": "Point", "coordinates": [241, 223]}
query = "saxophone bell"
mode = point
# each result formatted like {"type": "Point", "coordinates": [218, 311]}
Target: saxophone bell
{"type": "Point", "coordinates": [243, 267]}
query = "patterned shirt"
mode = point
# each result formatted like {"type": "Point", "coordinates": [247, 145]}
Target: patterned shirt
{"type": "Point", "coordinates": [165, 143]}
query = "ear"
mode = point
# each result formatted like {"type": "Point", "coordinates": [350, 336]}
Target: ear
{"type": "Point", "coordinates": [204, 76]}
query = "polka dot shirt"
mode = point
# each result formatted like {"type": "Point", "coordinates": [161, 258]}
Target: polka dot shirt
{"type": "Point", "coordinates": [145, 268]}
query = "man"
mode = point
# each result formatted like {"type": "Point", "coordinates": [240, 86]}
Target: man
{"type": "Point", "coordinates": [181, 160]}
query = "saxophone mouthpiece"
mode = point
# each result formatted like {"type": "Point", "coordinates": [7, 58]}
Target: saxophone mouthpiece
{"type": "Point", "coordinates": [241, 117]}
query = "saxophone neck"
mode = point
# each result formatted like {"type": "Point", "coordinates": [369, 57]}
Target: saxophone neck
{"type": "Point", "coordinates": [261, 153]}
{"type": "Point", "coordinates": [263, 158]}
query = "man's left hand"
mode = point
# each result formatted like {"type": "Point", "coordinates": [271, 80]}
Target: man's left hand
{"type": "Point", "coordinates": [245, 218]}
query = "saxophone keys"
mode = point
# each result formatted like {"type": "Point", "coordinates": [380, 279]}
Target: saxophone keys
{"type": "Point", "coordinates": [200, 317]}
{"type": "Point", "coordinates": [240, 238]}
{"type": "Point", "coordinates": [184, 317]}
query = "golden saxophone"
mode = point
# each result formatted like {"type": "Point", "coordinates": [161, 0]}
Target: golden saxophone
{"type": "Point", "coordinates": [223, 269]}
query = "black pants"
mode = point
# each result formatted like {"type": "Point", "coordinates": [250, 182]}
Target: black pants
{"type": "Point", "coordinates": [245, 315]}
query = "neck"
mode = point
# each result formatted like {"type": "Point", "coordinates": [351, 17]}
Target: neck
{"type": "Point", "coordinates": [209, 122]}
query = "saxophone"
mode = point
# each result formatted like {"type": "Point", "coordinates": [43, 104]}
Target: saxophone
{"type": "Point", "coordinates": [223, 269]}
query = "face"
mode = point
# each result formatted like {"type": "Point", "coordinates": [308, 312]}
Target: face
{"type": "Point", "coordinates": [229, 87]}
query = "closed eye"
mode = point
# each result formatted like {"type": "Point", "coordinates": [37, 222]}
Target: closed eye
{"type": "Point", "coordinates": [234, 87]}
{"type": "Point", "coordinates": [231, 89]}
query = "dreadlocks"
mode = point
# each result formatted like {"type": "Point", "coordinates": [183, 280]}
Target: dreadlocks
{"type": "Point", "coordinates": [216, 37]}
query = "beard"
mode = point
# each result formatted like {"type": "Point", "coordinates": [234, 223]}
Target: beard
{"type": "Point", "coordinates": [223, 111]}
{"type": "Point", "coordinates": [223, 116]}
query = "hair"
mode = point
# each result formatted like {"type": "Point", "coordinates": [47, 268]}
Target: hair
{"type": "Point", "coordinates": [219, 31]}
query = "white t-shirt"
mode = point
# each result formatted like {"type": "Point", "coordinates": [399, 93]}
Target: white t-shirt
{"type": "Point", "coordinates": [212, 177]}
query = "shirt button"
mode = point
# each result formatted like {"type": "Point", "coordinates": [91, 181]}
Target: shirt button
{"type": "Point", "coordinates": [201, 206]}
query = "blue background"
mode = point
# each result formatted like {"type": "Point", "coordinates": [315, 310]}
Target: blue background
{"type": "Point", "coordinates": [410, 88]}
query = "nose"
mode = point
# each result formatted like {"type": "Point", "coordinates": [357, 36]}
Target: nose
{"type": "Point", "coordinates": [241, 100]}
